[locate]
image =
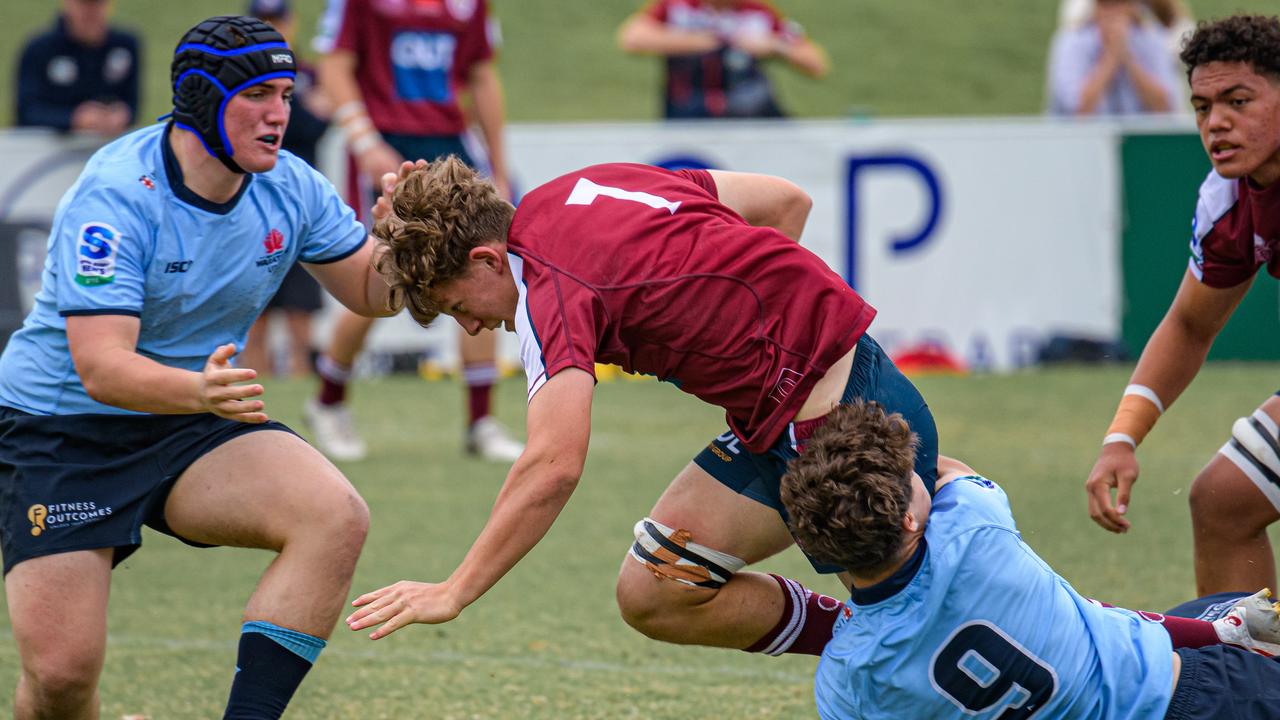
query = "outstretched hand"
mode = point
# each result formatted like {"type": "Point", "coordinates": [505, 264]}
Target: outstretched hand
{"type": "Point", "coordinates": [401, 604]}
{"type": "Point", "coordinates": [1116, 468]}
{"type": "Point", "coordinates": [221, 396]}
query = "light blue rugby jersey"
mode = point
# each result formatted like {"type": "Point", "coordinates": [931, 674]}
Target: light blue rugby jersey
{"type": "Point", "coordinates": [978, 626]}
{"type": "Point", "coordinates": [129, 239]}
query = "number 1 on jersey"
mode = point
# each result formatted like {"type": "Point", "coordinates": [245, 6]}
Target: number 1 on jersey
{"type": "Point", "coordinates": [586, 192]}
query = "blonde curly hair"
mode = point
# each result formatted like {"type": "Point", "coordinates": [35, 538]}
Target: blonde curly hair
{"type": "Point", "coordinates": [438, 214]}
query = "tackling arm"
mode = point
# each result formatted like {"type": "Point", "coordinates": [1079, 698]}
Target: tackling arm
{"type": "Point", "coordinates": [104, 349]}
{"type": "Point", "coordinates": [765, 200]}
{"type": "Point", "coordinates": [355, 282]}
{"type": "Point", "coordinates": [533, 495]}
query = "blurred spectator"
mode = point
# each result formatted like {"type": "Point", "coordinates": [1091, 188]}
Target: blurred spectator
{"type": "Point", "coordinates": [81, 75]}
{"type": "Point", "coordinates": [1173, 15]}
{"type": "Point", "coordinates": [1115, 63]}
{"type": "Point", "coordinates": [714, 51]}
{"type": "Point", "coordinates": [299, 296]}
{"type": "Point", "coordinates": [396, 73]}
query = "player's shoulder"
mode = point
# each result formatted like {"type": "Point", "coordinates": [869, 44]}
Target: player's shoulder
{"type": "Point", "coordinates": [1216, 198]}
{"type": "Point", "coordinates": [293, 177]}
{"type": "Point", "coordinates": [969, 502]}
{"type": "Point", "coordinates": [127, 173]}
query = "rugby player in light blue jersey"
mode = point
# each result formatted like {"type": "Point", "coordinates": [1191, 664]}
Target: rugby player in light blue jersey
{"type": "Point", "coordinates": [119, 403]}
{"type": "Point", "coordinates": [953, 615]}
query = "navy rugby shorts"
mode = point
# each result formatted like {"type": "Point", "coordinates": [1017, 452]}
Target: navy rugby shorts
{"type": "Point", "coordinates": [82, 482]}
{"type": "Point", "coordinates": [1221, 682]}
{"type": "Point", "coordinates": [872, 377]}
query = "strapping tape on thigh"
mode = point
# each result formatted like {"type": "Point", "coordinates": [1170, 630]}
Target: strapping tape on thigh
{"type": "Point", "coordinates": [670, 554]}
{"type": "Point", "coordinates": [1254, 449]}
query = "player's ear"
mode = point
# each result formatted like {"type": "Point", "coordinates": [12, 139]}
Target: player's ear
{"type": "Point", "coordinates": [488, 255]}
{"type": "Point", "coordinates": [910, 522]}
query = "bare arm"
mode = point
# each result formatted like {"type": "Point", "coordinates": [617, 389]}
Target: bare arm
{"type": "Point", "coordinates": [1169, 362]}
{"type": "Point", "coordinates": [765, 200]}
{"type": "Point", "coordinates": [1153, 94]}
{"type": "Point", "coordinates": [355, 283]}
{"type": "Point", "coordinates": [1178, 347]}
{"type": "Point", "coordinates": [104, 349]}
{"type": "Point", "coordinates": [806, 56]}
{"type": "Point", "coordinates": [640, 34]}
{"type": "Point", "coordinates": [949, 469]}
{"type": "Point", "coordinates": [532, 497]}
{"type": "Point", "coordinates": [337, 75]}
{"type": "Point", "coordinates": [486, 95]}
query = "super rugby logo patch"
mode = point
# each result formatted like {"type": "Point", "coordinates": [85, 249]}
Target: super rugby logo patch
{"type": "Point", "coordinates": [96, 254]}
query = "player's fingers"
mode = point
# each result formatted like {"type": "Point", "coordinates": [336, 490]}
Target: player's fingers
{"type": "Point", "coordinates": [223, 394]}
{"type": "Point", "coordinates": [378, 611]}
{"type": "Point", "coordinates": [372, 595]}
{"type": "Point", "coordinates": [228, 376]}
{"type": "Point", "coordinates": [1100, 508]}
{"type": "Point", "coordinates": [392, 625]}
{"type": "Point", "coordinates": [222, 354]}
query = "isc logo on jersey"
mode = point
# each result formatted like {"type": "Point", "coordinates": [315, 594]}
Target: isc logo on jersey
{"type": "Point", "coordinates": [96, 254]}
{"type": "Point", "coordinates": [421, 62]}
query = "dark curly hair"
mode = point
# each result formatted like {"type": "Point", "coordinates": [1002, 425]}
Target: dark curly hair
{"type": "Point", "coordinates": [1252, 39]}
{"type": "Point", "coordinates": [438, 214]}
{"type": "Point", "coordinates": [849, 490]}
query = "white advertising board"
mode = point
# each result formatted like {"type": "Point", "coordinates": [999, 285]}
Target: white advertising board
{"type": "Point", "coordinates": [983, 236]}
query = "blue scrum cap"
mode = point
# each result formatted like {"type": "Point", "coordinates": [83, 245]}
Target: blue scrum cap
{"type": "Point", "coordinates": [215, 60]}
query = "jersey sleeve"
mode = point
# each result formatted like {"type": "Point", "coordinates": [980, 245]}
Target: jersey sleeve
{"type": "Point", "coordinates": [558, 323]}
{"type": "Point", "coordinates": [702, 179]}
{"type": "Point", "coordinates": [333, 231]}
{"type": "Point", "coordinates": [474, 46]}
{"type": "Point", "coordinates": [345, 25]}
{"type": "Point", "coordinates": [1215, 257]}
{"type": "Point", "coordinates": [101, 246]}
{"type": "Point", "coordinates": [968, 502]}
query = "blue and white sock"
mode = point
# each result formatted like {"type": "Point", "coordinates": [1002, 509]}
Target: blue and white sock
{"type": "Point", "coordinates": [269, 667]}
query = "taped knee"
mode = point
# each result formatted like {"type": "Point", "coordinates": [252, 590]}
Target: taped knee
{"type": "Point", "coordinates": [1254, 447]}
{"type": "Point", "coordinates": [670, 554]}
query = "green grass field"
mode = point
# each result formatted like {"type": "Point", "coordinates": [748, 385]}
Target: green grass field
{"type": "Point", "coordinates": [547, 641]}
{"type": "Point", "coordinates": [559, 62]}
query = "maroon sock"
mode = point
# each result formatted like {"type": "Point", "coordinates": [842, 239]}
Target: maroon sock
{"type": "Point", "coordinates": [479, 379]}
{"type": "Point", "coordinates": [807, 619]}
{"type": "Point", "coordinates": [1184, 632]}
{"type": "Point", "coordinates": [333, 380]}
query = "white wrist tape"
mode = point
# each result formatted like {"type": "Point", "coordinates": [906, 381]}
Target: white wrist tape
{"type": "Point", "coordinates": [1145, 392]}
{"type": "Point", "coordinates": [362, 143]}
{"type": "Point", "coordinates": [1120, 437]}
{"type": "Point", "coordinates": [348, 110]}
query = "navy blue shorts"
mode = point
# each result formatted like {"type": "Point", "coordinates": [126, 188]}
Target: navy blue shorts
{"type": "Point", "coordinates": [872, 377]}
{"type": "Point", "coordinates": [82, 482]}
{"type": "Point", "coordinates": [1209, 607]}
{"type": "Point", "coordinates": [1221, 682]}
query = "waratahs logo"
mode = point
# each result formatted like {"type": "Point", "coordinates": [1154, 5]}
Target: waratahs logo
{"type": "Point", "coordinates": [274, 245]}
{"type": "Point", "coordinates": [96, 254]}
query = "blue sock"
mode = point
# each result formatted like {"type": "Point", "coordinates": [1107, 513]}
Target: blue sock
{"type": "Point", "coordinates": [270, 666]}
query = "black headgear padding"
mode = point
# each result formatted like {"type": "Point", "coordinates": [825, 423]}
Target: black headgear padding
{"type": "Point", "coordinates": [215, 60]}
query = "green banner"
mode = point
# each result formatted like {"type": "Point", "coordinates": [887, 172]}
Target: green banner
{"type": "Point", "coordinates": [1162, 176]}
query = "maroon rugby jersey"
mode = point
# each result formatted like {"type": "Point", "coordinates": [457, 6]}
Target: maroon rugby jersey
{"type": "Point", "coordinates": [644, 268]}
{"type": "Point", "coordinates": [1236, 230]}
{"type": "Point", "coordinates": [413, 57]}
